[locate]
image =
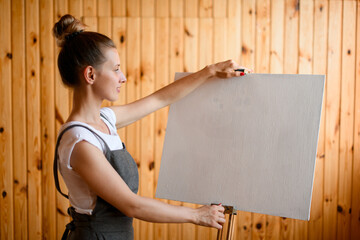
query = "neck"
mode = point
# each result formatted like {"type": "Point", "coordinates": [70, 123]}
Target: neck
{"type": "Point", "coordinates": [86, 107]}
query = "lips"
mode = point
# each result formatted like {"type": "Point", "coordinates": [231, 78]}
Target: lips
{"type": "Point", "coordinates": [118, 89]}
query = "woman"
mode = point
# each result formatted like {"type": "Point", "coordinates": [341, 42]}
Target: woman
{"type": "Point", "coordinates": [100, 174]}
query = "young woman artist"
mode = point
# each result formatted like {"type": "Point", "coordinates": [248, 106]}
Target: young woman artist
{"type": "Point", "coordinates": [99, 173]}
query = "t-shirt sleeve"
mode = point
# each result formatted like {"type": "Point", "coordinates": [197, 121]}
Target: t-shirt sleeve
{"type": "Point", "coordinates": [110, 115]}
{"type": "Point", "coordinates": [71, 138]}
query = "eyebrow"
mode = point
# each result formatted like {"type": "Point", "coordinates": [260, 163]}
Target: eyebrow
{"type": "Point", "coordinates": [117, 65]}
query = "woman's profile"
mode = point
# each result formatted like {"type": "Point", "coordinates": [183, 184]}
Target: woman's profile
{"type": "Point", "coordinates": [100, 174]}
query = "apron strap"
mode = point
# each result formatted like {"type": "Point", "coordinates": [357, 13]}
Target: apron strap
{"type": "Point", "coordinates": [55, 166]}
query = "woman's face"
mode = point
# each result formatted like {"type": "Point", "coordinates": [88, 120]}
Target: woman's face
{"type": "Point", "coordinates": [109, 77]}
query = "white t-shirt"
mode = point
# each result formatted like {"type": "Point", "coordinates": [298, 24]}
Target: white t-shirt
{"type": "Point", "coordinates": [81, 197]}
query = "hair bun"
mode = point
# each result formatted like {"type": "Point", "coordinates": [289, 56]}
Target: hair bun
{"type": "Point", "coordinates": [67, 25]}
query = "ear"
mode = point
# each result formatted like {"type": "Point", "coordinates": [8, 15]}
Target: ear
{"type": "Point", "coordinates": [89, 74]}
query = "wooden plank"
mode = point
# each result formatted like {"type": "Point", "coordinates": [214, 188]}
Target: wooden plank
{"type": "Point", "coordinates": [92, 23]}
{"type": "Point", "coordinates": [162, 33]}
{"type": "Point", "coordinates": [162, 8]}
{"type": "Point", "coordinates": [191, 37]}
{"type": "Point", "coordinates": [319, 67]}
{"type": "Point", "coordinates": [244, 219]}
{"type": "Point", "coordinates": [176, 8]}
{"type": "Point", "coordinates": [62, 108]}
{"type": "Point", "coordinates": [220, 34]}
{"type": "Point", "coordinates": [205, 8]}
{"type": "Point", "coordinates": [277, 33]}
{"type": "Point", "coordinates": [234, 39]}
{"type": "Point", "coordinates": [6, 146]}
{"type": "Point", "coordinates": [133, 8]}
{"type": "Point", "coordinates": [89, 8]}
{"type": "Point", "coordinates": [262, 59]}
{"type": "Point", "coordinates": [306, 16]}
{"type": "Point", "coordinates": [147, 86]}
{"type": "Point", "coordinates": [120, 40]}
{"type": "Point", "coordinates": [355, 200]}
{"type": "Point", "coordinates": [291, 44]}
{"type": "Point", "coordinates": [132, 94]}
{"type": "Point", "coordinates": [76, 8]}
{"type": "Point", "coordinates": [262, 56]}
{"type": "Point", "coordinates": [104, 27]}
{"type": "Point", "coordinates": [118, 8]}
{"type": "Point", "coordinates": [332, 120]}
{"type": "Point", "coordinates": [147, 8]}
{"type": "Point", "coordinates": [219, 9]}
{"type": "Point", "coordinates": [277, 9]}
{"type": "Point", "coordinates": [19, 118]}
{"type": "Point", "coordinates": [234, 9]}
{"type": "Point", "coordinates": [291, 36]}
{"type": "Point", "coordinates": [176, 65]}
{"type": "Point", "coordinates": [33, 119]}
{"type": "Point", "coordinates": [206, 41]}
{"type": "Point", "coordinates": [104, 8]}
{"type": "Point", "coordinates": [346, 119]}
{"type": "Point", "coordinates": [48, 136]}
{"type": "Point", "coordinates": [191, 8]}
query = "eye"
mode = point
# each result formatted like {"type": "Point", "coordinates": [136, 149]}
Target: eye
{"type": "Point", "coordinates": [117, 69]}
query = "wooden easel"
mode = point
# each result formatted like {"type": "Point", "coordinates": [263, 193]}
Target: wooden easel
{"type": "Point", "coordinates": [230, 226]}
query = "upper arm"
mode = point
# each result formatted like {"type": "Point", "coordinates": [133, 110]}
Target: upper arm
{"type": "Point", "coordinates": [90, 163]}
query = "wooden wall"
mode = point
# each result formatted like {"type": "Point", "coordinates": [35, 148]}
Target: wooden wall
{"type": "Point", "coordinates": [156, 38]}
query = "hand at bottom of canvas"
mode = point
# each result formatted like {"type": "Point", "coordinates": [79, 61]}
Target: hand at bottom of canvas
{"type": "Point", "coordinates": [210, 216]}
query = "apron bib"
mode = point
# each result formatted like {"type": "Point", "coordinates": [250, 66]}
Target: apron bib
{"type": "Point", "coordinates": [106, 222]}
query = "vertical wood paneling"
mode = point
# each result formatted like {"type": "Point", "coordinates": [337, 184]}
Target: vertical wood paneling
{"type": "Point", "coordinates": [162, 8]}
{"type": "Point", "coordinates": [147, 124]}
{"type": "Point", "coordinates": [6, 156]}
{"type": "Point", "coordinates": [33, 119]}
{"type": "Point", "coordinates": [133, 8]}
{"type": "Point", "coordinates": [19, 119]}
{"type": "Point", "coordinates": [62, 111]}
{"type": "Point", "coordinates": [176, 64]}
{"type": "Point", "coordinates": [75, 8]}
{"type": "Point", "coordinates": [319, 67]}
{"type": "Point", "coordinates": [332, 120]}
{"type": "Point", "coordinates": [47, 119]}
{"type": "Point", "coordinates": [306, 10]}
{"type": "Point", "coordinates": [355, 200]}
{"type": "Point", "coordinates": [148, 8]}
{"type": "Point", "coordinates": [346, 119]}
{"type": "Point", "coordinates": [191, 38]}
{"type": "Point", "coordinates": [161, 80]}
{"type": "Point", "coordinates": [120, 40]}
{"type": "Point", "coordinates": [104, 8]}
{"type": "Point", "coordinates": [205, 8]}
{"type": "Point", "coordinates": [262, 57]}
{"type": "Point", "coordinates": [90, 9]}
{"type": "Point", "coordinates": [155, 39]}
{"type": "Point", "coordinates": [133, 93]}
{"type": "Point", "coordinates": [176, 8]}
{"type": "Point", "coordinates": [191, 8]}
{"type": "Point", "coordinates": [118, 8]}
{"type": "Point", "coordinates": [220, 41]}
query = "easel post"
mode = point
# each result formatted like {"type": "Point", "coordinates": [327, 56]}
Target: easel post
{"type": "Point", "coordinates": [230, 229]}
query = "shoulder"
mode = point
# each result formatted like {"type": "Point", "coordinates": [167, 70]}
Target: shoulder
{"type": "Point", "coordinates": [75, 132]}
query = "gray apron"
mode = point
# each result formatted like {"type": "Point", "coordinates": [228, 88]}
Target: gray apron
{"type": "Point", "coordinates": [106, 222]}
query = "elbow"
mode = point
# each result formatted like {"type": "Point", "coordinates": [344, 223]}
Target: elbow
{"type": "Point", "coordinates": [131, 209]}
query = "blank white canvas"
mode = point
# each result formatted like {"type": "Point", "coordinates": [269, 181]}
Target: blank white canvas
{"type": "Point", "coordinates": [248, 142]}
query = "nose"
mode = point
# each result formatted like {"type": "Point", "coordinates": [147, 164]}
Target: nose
{"type": "Point", "coordinates": [122, 78]}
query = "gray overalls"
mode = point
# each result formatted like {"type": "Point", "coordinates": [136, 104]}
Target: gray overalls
{"type": "Point", "coordinates": [106, 222]}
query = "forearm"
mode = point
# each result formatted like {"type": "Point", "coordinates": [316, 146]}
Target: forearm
{"type": "Point", "coordinates": [182, 87]}
{"type": "Point", "coordinates": [152, 210]}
